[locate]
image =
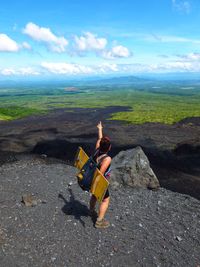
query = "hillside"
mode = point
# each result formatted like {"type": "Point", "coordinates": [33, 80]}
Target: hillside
{"type": "Point", "coordinates": [173, 150]}
{"type": "Point", "coordinates": [148, 228]}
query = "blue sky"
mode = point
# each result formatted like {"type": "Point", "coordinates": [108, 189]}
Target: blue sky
{"type": "Point", "coordinates": [73, 38]}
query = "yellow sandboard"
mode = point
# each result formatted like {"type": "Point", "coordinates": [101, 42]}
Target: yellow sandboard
{"type": "Point", "coordinates": [80, 159]}
{"type": "Point", "coordinates": [99, 183]}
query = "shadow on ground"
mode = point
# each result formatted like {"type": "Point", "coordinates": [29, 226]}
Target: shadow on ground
{"type": "Point", "coordinates": [74, 207]}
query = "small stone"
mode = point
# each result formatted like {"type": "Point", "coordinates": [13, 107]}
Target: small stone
{"type": "Point", "coordinates": [115, 249]}
{"type": "Point", "coordinates": [53, 259]}
{"type": "Point", "coordinates": [43, 156]}
{"type": "Point", "coordinates": [179, 238]}
{"type": "Point", "coordinates": [29, 200]}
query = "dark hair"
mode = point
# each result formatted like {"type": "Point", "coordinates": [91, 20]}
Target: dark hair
{"type": "Point", "coordinates": [105, 144]}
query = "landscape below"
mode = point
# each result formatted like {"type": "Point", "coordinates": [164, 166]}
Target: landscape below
{"type": "Point", "coordinates": [147, 100]}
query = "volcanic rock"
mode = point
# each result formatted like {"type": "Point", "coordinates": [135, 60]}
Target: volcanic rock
{"type": "Point", "coordinates": [132, 168]}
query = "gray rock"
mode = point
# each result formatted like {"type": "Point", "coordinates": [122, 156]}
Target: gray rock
{"type": "Point", "coordinates": [178, 238]}
{"type": "Point", "coordinates": [131, 167]}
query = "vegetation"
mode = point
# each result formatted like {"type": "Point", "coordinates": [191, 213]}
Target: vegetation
{"type": "Point", "coordinates": [147, 102]}
{"type": "Point", "coordinates": [15, 112]}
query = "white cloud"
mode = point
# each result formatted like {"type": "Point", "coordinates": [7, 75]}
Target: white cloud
{"type": "Point", "coordinates": [177, 65]}
{"type": "Point", "coordinates": [107, 67]}
{"type": "Point", "coordinates": [190, 57]}
{"type": "Point", "coordinates": [66, 68]}
{"type": "Point", "coordinates": [28, 71]}
{"type": "Point", "coordinates": [26, 46]}
{"type": "Point", "coordinates": [77, 69]}
{"type": "Point", "coordinates": [89, 42]}
{"type": "Point", "coordinates": [174, 66]}
{"type": "Point", "coordinates": [173, 39]}
{"type": "Point", "coordinates": [41, 34]}
{"type": "Point", "coordinates": [194, 56]}
{"type": "Point", "coordinates": [169, 39]}
{"type": "Point", "coordinates": [118, 51]}
{"type": "Point", "coordinates": [181, 6]}
{"type": "Point", "coordinates": [8, 72]}
{"type": "Point", "coordinates": [7, 44]}
{"type": "Point", "coordinates": [25, 71]}
{"type": "Point", "coordinates": [133, 68]}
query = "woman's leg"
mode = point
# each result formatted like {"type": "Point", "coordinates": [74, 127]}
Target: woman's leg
{"type": "Point", "coordinates": [103, 208]}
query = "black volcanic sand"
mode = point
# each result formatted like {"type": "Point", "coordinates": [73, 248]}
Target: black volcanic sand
{"type": "Point", "coordinates": [148, 228]}
{"type": "Point", "coordinates": [173, 150]}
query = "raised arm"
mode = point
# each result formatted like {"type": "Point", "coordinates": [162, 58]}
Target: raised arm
{"type": "Point", "coordinates": [100, 134]}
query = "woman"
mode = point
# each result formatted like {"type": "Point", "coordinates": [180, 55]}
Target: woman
{"type": "Point", "coordinates": [103, 145]}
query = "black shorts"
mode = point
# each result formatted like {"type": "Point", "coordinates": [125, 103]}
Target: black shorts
{"type": "Point", "coordinates": [107, 194]}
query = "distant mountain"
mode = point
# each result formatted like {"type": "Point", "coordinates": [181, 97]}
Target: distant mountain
{"type": "Point", "coordinates": [142, 79]}
{"type": "Point", "coordinates": [149, 80]}
{"type": "Point", "coordinates": [122, 80]}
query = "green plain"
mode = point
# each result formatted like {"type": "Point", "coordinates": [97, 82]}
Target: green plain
{"type": "Point", "coordinates": [168, 104]}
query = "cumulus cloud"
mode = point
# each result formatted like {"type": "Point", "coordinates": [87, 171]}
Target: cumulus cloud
{"type": "Point", "coordinates": [25, 71]}
{"type": "Point", "coordinates": [89, 42]}
{"type": "Point", "coordinates": [77, 69]}
{"type": "Point", "coordinates": [7, 44]}
{"type": "Point", "coordinates": [8, 72]}
{"type": "Point", "coordinates": [177, 65]}
{"type": "Point", "coordinates": [174, 66]}
{"type": "Point", "coordinates": [118, 51]}
{"type": "Point", "coordinates": [171, 66]}
{"type": "Point", "coordinates": [66, 68]}
{"type": "Point", "coordinates": [107, 67]}
{"type": "Point", "coordinates": [28, 71]}
{"type": "Point", "coordinates": [181, 6]}
{"type": "Point", "coordinates": [63, 68]}
{"type": "Point", "coordinates": [45, 35]}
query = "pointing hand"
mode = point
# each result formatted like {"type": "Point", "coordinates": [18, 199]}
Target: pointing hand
{"type": "Point", "coordinates": [99, 125]}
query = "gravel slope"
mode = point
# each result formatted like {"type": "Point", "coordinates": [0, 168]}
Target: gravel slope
{"type": "Point", "coordinates": [148, 228]}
